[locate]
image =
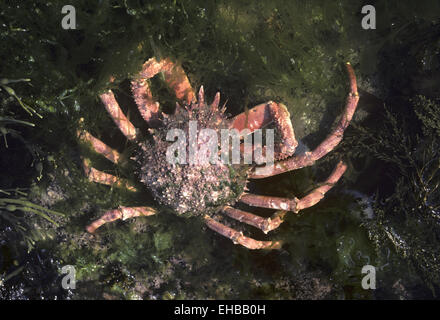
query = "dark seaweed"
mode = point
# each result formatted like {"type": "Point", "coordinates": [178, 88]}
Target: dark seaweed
{"type": "Point", "coordinates": [384, 212]}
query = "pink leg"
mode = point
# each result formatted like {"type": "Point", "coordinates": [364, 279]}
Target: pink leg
{"type": "Point", "coordinates": [99, 146]}
{"type": "Point", "coordinates": [295, 205]}
{"type": "Point", "coordinates": [112, 106]}
{"type": "Point", "coordinates": [120, 213]}
{"type": "Point", "coordinates": [264, 224]}
{"type": "Point", "coordinates": [176, 79]}
{"type": "Point", "coordinates": [326, 146]}
{"type": "Point", "coordinates": [98, 176]}
{"type": "Point", "coordinates": [238, 237]}
{"type": "Point", "coordinates": [148, 108]}
{"type": "Point", "coordinates": [264, 114]}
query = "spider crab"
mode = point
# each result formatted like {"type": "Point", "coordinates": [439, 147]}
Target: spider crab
{"type": "Point", "coordinates": [212, 189]}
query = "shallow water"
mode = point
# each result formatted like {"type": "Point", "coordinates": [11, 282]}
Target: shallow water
{"type": "Point", "coordinates": [291, 52]}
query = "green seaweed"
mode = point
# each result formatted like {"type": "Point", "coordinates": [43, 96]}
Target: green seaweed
{"type": "Point", "coordinates": [290, 52]}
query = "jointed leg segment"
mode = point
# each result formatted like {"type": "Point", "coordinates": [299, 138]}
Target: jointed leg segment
{"type": "Point", "coordinates": [326, 146]}
{"type": "Point", "coordinates": [238, 237]}
{"type": "Point", "coordinates": [176, 79]}
{"type": "Point", "coordinates": [264, 114]}
{"type": "Point", "coordinates": [99, 146]}
{"type": "Point", "coordinates": [268, 224]}
{"type": "Point", "coordinates": [112, 106]}
{"type": "Point", "coordinates": [264, 224]}
{"type": "Point", "coordinates": [99, 176]}
{"type": "Point", "coordinates": [120, 213]}
{"type": "Point", "coordinates": [295, 205]}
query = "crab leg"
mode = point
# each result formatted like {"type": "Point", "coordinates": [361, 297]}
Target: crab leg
{"type": "Point", "coordinates": [176, 79]}
{"type": "Point", "coordinates": [148, 108]}
{"type": "Point", "coordinates": [262, 115]}
{"type": "Point", "coordinates": [295, 204]}
{"type": "Point", "coordinates": [326, 146]}
{"type": "Point", "coordinates": [265, 224]}
{"type": "Point", "coordinates": [112, 106]}
{"type": "Point", "coordinates": [99, 146]}
{"type": "Point", "coordinates": [238, 237]}
{"type": "Point", "coordinates": [99, 176]}
{"type": "Point", "coordinates": [120, 213]}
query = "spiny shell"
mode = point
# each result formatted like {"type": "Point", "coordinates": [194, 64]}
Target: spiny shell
{"type": "Point", "coordinates": [189, 189]}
